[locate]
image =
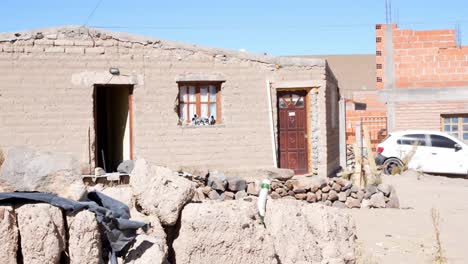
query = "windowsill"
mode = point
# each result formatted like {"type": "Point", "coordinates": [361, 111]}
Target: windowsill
{"type": "Point", "coordinates": [201, 127]}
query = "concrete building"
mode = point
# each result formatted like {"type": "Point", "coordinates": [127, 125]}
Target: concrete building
{"type": "Point", "coordinates": [107, 97]}
{"type": "Point", "coordinates": [422, 78]}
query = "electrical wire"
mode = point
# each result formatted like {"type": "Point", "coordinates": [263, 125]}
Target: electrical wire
{"type": "Point", "coordinates": [92, 13]}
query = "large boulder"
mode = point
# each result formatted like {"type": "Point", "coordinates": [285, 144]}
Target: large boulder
{"type": "Point", "coordinates": [8, 235]}
{"type": "Point", "coordinates": [121, 193]}
{"type": "Point", "coordinates": [310, 233]}
{"type": "Point", "coordinates": [84, 239]}
{"type": "Point", "coordinates": [227, 232]}
{"type": "Point", "coordinates": [42, 233]}
{"type": "Point", "coordinates": [147, 249]}
{"type": "Point", "coordinates": [30, 170]}
{"type": "Point", "coordinates": [160, 191]}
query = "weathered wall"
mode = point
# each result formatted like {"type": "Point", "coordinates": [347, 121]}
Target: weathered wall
{"type": "Point", "coordinates": [46, 96]}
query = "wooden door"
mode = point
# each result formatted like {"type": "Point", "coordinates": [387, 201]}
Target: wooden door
{"type": "Point", "coordinates": [293, 131]}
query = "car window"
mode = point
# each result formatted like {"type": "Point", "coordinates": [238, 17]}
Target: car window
{"type": "Point", "coordinates": [442, 142]}
{"type": "Point", "coordinates": [413, 139]}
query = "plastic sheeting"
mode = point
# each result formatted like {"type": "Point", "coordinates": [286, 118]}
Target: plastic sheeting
{"type": "Point", "coordinates": [111, 214]}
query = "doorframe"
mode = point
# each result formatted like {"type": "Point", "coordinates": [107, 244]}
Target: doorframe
{"type": "Point", "coordinates": [308, 130]}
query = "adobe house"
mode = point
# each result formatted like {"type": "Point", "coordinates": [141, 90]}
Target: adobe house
{"type": "Point", "coordinates": [108, 97]}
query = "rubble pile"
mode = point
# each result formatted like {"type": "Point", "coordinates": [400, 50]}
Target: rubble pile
{"type": "Point", "coordinates": [336, 192]}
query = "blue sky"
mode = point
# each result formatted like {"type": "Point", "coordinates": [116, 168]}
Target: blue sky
{"type": "Point", "coordinates": [275, 27]}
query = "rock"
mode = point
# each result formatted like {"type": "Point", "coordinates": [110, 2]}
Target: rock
{"type": "Point", "coordinates": [228, 196]}
{"type": "Point", "coordinates": [365, 203]}
{"type": "Point", "coordinates": [30, 170]}
{"type": "Point", "coordinates": [385, 188]}
{"type": "Point", "coordinates": [352, 203]}
{"type": "Point", "coordinates": [84, 239]}
{"type": "Point", "coordinates": [217, 181]}
{"type": "Point", "coordinates": [299, 190]}
{"type": "Point", "coordinates": [227, 232]}
{"type": "Point", "coordinates": [345, 184]}
{"type": "Point", "coordinates": [126, 166]}
{"type": "Point", "coordinates": [289, 197]}
{"type": "Point", "coordinates": [198, 173]}
{"type": "Point", "coordinates": [206, 190]}
{"type": "Point", "coordinates": [159, 191]}
{"type": "Point", "coordinates": [222, 197]}
{"type": "Point", "coordinates": [122, 193]}
{"type": "Point", "coordinates": [394, 202]}
{"type": "Point", "coordinates": [325, 189]}
{"type": "Point", "coordinates": [354, 195]}
{"type": "Point", "coordinates": [42, 233]}
{"type": "Point", "coordinates": [342, 196]}
{"type": "Point", "coordinates": [275, 185]}
{"type": "Point", "coordinates": [370, 190]}
{"type": "Point", "coordinates": [253, 188]}
{"type": "Point", "coordinates": [332, 196]}
{"type": "Point", "coordinates": [336, 187]}
{"type": "Point", "coordinates": [338, 204]}
{"type": "Point", "coordinates": [281, 191]}
{"type": "Point", "coordinates": [199, 195]}
{"type": "Point", "coordinates": [327, 235]}
{"type": "Point", "coordinates": [213, 195]}
{"type": "Point", "coordinates": [324, 197]}
{"type": "Point", "coordinates": [360, 195]}
{"type": "Point", "coordinates": [316, 183]}
{"type": "Point", "coordinates": [291, 193]}
{"type": "Point", "coordinates": [239, 195]}
{"type": "Point", "coordinates": [290, 184]}
{"type": "Point", "coordinates": [8, 234]}
{"type": "Point", "coordinates": [354, 189]}
{"type": "Point", "coordinates": [147, 249]}
{"type": "Point", "coordinates": [236, 184]}
{"type": "Point", "coordinates": [154, 227]}
{"type": "Point", "coordinates": [328, 203]}
{"type": "Point", "coordinates": [301, 196]}
{"type": "Point", "coordinates": [275, 195]}
{"type": "Point", "coordinates": [318, 193]}
{"type": "Point", "coordinates": [276, 173]}
{"type": "Point", "coordinates": [311, 197]}
{"type": "Point", "coordinates": [377, 200]}
{"type": "Point", "coordinates": [98, 171]}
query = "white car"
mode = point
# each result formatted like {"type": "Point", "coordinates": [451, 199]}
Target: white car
{"type": "Point", "coordinates": [436, 152]}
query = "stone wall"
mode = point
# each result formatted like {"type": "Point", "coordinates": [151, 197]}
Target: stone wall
{"type": "Point", "coordinates": [46, 97]}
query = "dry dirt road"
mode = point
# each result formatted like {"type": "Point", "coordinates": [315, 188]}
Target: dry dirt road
{"type": "Point", "coordinates": [408, 235]}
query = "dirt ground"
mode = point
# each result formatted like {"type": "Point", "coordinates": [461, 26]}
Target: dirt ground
{"type": "Point", "coordinates": [407, 235]}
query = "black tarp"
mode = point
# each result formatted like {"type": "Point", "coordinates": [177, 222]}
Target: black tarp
{"type": "Point", "coordinates": [111, 214]}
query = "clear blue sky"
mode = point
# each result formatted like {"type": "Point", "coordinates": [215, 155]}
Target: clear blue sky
{"type": "Point", "coordinates": [275, 27]}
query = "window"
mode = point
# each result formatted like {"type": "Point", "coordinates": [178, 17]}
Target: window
{"type": "Point", "coordinates": [378, 39]}
{"type": "Point", "coordinates": [379, 66]}
{"type": "Point", "coordinates": [456, 125]}
{"type": "Point", "coordinates": [442, 142]}
{"type": "Point", "coordinates": [378, 53]}
{"type": "Point", "coordinates": [360, 106]}
{"type": "Point", "coordinates": [199, 104]}
{"type": "Point", "coordinates": [413, 139]}
{"type": "Point", "coordinates": [379, 79]}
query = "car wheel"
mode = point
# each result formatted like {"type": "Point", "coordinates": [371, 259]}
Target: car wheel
{"type": "Point", "coordinates": [392, 165]}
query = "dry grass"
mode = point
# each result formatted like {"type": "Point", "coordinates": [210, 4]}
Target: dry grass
{"type": "Point", "coordinates": [439, 257]}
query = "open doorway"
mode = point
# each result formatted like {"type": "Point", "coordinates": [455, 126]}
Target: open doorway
{"type": "Point", "coordinates": [113, 125]}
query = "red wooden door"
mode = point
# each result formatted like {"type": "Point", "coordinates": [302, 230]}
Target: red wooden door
{"type": "Point", "coordinates": [293, 131]}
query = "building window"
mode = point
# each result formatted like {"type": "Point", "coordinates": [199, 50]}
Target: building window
{"type": "Point", "coordinates": [199, 104]}
{"type": "Point", "coordinates": [378, 53]}
{"type": "Point", "coordinates": [360, 106]}
{"type": "Point", "coordinates": [378, 39]}
{"type": "Point", "coordinates": [379, 66]}
{"type": "Point", "coordinates": [456, 125]}
{"type": "Point", "coordinates": [379, 79]}
{"type": "Point", "coordinates": [378, 26]}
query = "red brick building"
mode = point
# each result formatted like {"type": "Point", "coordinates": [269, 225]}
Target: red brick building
{"type": "Point", "coordinates": [422, 78]}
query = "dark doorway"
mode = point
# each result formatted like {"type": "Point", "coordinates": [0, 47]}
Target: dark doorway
{"type": "Point", "coordinates": [112, 117]}
{"type": "Point", "coordinates": [292, 116]}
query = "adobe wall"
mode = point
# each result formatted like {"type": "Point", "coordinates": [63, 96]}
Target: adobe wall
{"type": "Point", "coordinates": [46, 96]}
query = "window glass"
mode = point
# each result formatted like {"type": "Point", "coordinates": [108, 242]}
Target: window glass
{"type": "Point", "coordinates": [446, 120]}
{"type": "Point", "coordinates": [204, 110]}
{"type": "Point", "coordinates": [183, 112]}
{"type": "Point", "coordinates": [454, 119]}
{"type": "Point", "coordinates": [183, 94]}
{"type": "Point", "coordinates": [413, 139]}
{"type": "Point", "coordinates": [204, 94]}
{"type": "Point", "coordinates": [300, 102]}
{"type": "Point", "coordinates": [192, 95]}
{"type": "Point", "coordinates": [447, 128]}
{"type": "Point", "coordinates": [465, 136]}
{"type": "Point", "coordinates": [442, 142]}
{"type": "Point", "coordinates": [192, 111]}
{"type": "Point", "coordinates": [282, 104]}
{"type": "Point", "coordinates": [212, 93]}
{"type": "Point", "coordinates": [465, 120]}
{"type": "Point", "coordinates": [213, 110]}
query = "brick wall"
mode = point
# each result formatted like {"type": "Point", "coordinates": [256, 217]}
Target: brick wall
{"type": "Point", "coordinates": [46, 97]}
{"type": "Point", "coordinates": [425, 58]}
